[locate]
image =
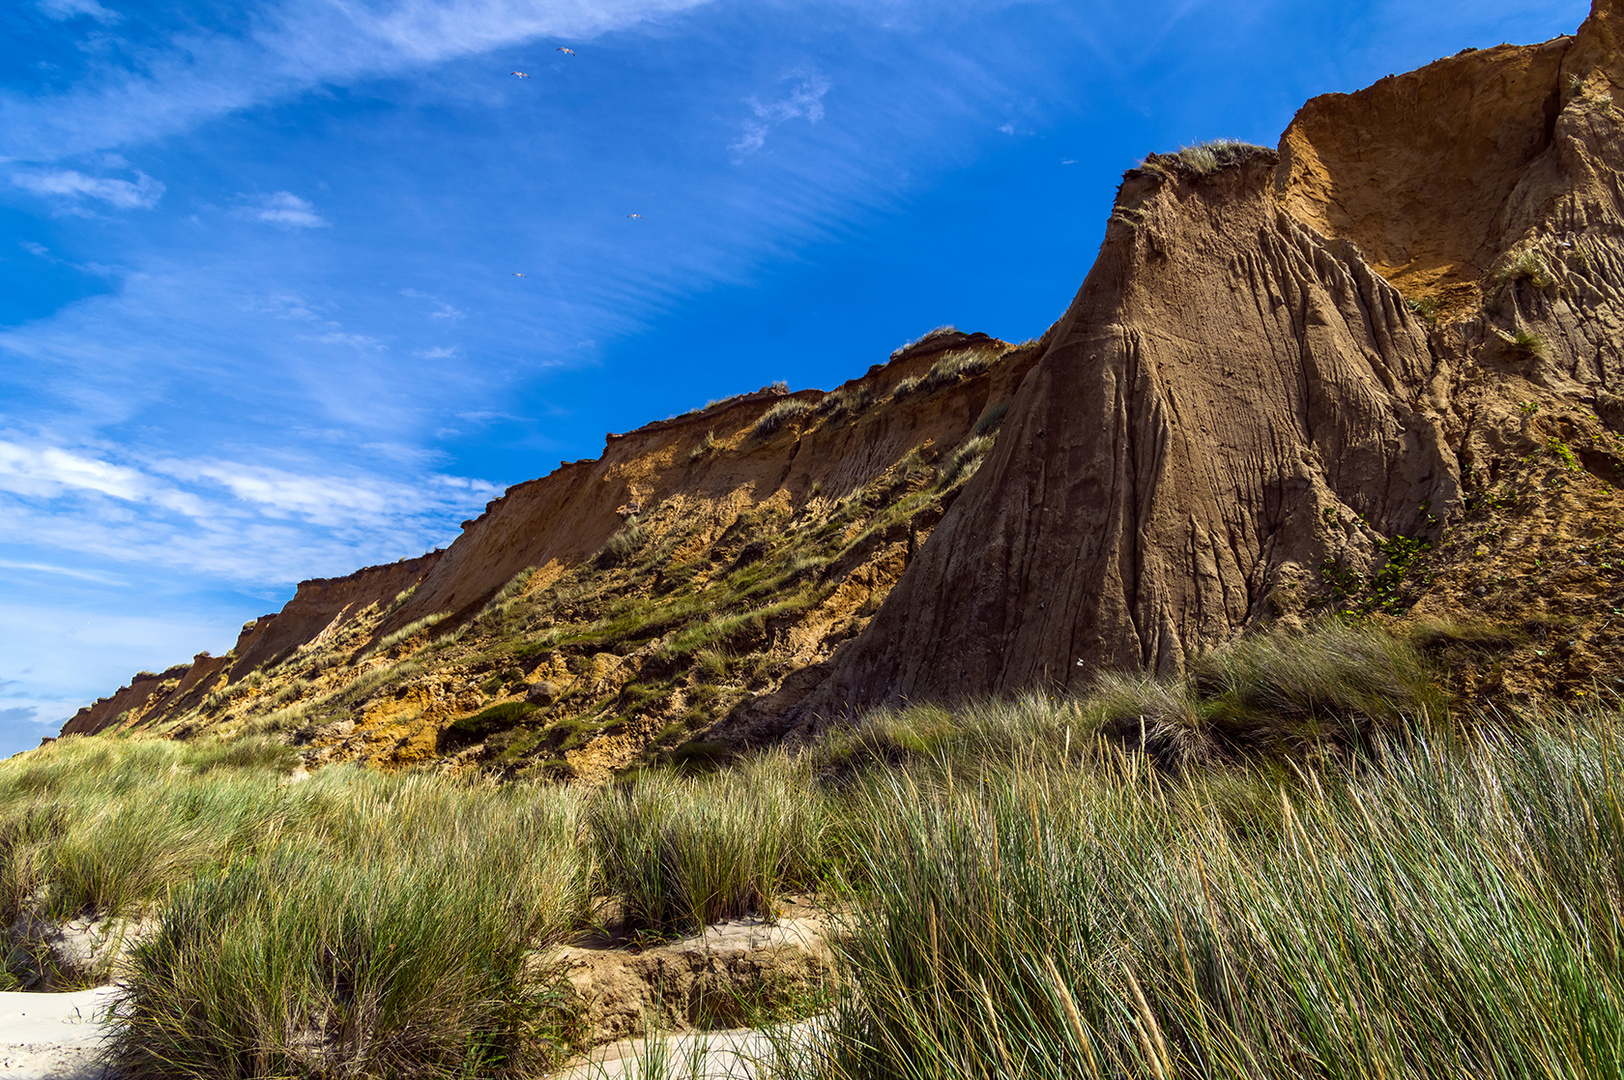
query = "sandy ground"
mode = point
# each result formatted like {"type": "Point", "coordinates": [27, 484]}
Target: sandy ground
{"type": "Point", "coordinates": [57, 1036]}
{"type": "Point", "coordinates": [52, 1036]}
{"type": "Point", "coordinates": [740, 1054]}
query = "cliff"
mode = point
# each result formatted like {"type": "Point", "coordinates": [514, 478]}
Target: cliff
{"type": "Point", "coordinates": [1375, 370]}
{"type": "Point", "coordinates": [1284, 371]}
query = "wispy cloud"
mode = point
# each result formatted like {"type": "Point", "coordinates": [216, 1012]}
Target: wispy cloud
{"type": "Point", "coordinates": [439, 308]}
{"type": "Point", "coordinates": [287, 210]}
{"type": "Point", "coordinates": [72, 187]}
{"type": "Point", "coordinates": [252, 523]}
{"type": "Point", "coordinates": [803, 102]}
{"type": "Point", "coordinates": [196, 76]}
{"type": "Point", "coordinates": [61, 571]}
{"type": "Point", "coordinates": [354, 341]}
{"type": "Point", "coordinates": [69, 9]}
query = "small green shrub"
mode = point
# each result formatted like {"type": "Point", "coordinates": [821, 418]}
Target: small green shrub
{"type": "Point", "coordinates": [905, 387]}
{"type": "Point", "coordinates": [1426, 307]}
{"type": "Point", "coordinates": [467, 730]}
{"type": "Point", "coordinates": [1530, 342]}
{"type": "Point", "coordinates": [624, 544]}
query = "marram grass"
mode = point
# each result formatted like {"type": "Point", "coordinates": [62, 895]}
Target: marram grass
{"type": "Point", "coordinates": [1292, 862]}
{"type": "Point", "coordinates": [1444, 909]}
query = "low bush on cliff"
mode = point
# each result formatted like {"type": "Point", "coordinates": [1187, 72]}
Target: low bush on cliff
{"type": "Point", "coordinates": [781, 414]}
{"type": "Point", "coordinates": [957, 365]}
{"type": "Point", "coordinates": [1215, 154]}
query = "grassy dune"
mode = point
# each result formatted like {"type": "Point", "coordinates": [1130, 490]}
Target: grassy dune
{"type": "Point", "coordinates": [1293, 862]}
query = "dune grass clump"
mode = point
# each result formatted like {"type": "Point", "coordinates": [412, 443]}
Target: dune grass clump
{"type": "Point", "coordinates": [623, 545]}
{"type": "Point", "coordinates": [963, 462]}
{"type": "Point", "coordinates": [852, 400]}
{"type": "Point", "coordinates": [349, 924]}
{"type": "Point", "coordinates": [1526, 264]}
{"type": "Point", "coordinates": [991, 419]}
{"type": "Point", "coordinates": [392, 939]}
{"type": "Point", "coordinates": [1266, 696]}
{"type": "Point", "coordinates": [1429, 909]}
{"type": "Point", "coordinates": [679, 853]}
{"type": "Point", "coordinates": [957, 365]}
{"type": "Point", "coordinates": [781, 414]}
{"type": "Point", "coordinates": [1215, 154]}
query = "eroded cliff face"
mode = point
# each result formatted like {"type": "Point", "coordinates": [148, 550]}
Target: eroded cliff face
{"type": "Point", "coordinates": [1376, 370]}
{"type": "Point", "coordinates": [1291, 378]}
{"type": "Point", "coordinates": [694, 579]}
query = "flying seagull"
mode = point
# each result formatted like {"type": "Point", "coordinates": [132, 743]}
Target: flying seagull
{"type": "Point", "coordinates": [517, 274]}
{"type": "Point", "coordinates": [520, 74]}
{"type": "Point", "coordinates": [564, 50]}
{"type": "Point", "coordinates": [639, 217]}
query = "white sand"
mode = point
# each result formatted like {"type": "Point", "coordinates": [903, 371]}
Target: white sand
{"type": "Point", "coordinates": [52, 1036]}
{"type": "Point", "coordinates": [739, 1054]}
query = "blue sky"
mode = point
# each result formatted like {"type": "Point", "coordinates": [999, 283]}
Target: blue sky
{"type": "Point", "coordinates": [259, 320]}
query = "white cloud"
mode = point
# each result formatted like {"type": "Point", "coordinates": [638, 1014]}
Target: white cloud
{"type": "Point", "coordinates": [803, 102]}
{"type": "Point", "coordinates": [49, 471]}
{"type": "Point", "coordinates": [1007, 129]}
{"type": "Point", "coordinates": [46, 470]}
{"type": "Point", "coordinates": [288, 211]}
{"type": "Point", "coordinates": [68, 9]}
{"type": "Point", "coordinates": [439, 352]}
{"type": "Point", "coordinates": [142, 193]}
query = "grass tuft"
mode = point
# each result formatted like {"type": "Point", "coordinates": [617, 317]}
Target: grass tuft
{"type": "Point", "coordinates": [781, 414]}
{"type": "Point", "coordinates": [957, 365]}
{"type": "Point", "coordinates": [1526, 264]}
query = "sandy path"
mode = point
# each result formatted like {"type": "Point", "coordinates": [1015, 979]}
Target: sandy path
{"type": "Point", "coordinates": [52, 1036]}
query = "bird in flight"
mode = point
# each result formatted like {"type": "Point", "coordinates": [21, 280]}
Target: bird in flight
{"type": "Point", "coordinates": [517, 274]}
{"type": "Point", "coordinates": [639, 217]}
{"type": "Point", "coordinates": [564, 50]}
{"type": "Point", "coordinates": [521, 74]}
